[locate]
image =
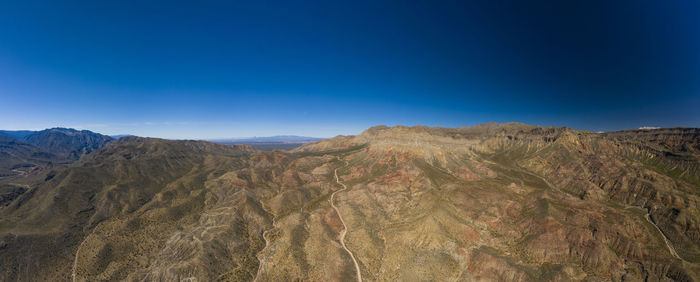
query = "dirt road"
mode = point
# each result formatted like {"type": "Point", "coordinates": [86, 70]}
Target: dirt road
{"type": "Point", "coordinates": [345, 227]}
{"type": "Point", "coordinates": [668, 244]}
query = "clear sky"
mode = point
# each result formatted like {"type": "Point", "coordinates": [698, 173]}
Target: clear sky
{"type": "Point", "coordinates": [201, 69]}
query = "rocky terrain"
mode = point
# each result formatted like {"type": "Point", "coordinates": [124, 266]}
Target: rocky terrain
{"type": "Point", "coordinates": [495, 202]}
{"type": "Point", "coordinates": [24, 153]}
{"type": "Point", "coordinates": [67, 142]}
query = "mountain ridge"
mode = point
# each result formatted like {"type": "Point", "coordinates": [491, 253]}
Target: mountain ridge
{"type": "Point", "coordinates": [493, 202]}
{"type": "Point", "coordinates": [27, 152]}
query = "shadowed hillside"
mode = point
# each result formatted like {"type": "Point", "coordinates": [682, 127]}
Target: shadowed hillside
{"type": "Point", "coordinates": [67, 142]}
{"type": "Point", "coordinates": [25, 153]}
{"type": "Point", "coordinates": [507, 202]}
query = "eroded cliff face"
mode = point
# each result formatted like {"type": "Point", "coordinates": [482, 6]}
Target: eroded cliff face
{"type": "Point", "coordinates": [491, 202]}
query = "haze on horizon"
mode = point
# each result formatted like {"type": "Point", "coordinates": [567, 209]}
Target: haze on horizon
{"type": "Point", "coordinates": [220, 70]}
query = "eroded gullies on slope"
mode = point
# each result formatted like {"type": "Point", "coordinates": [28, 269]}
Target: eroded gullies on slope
{"type": "Point", "coordinates": [496, 202]}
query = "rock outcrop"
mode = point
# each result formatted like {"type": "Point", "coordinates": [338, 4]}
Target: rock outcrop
{"type": "Point", "coordinates": [492, 202]}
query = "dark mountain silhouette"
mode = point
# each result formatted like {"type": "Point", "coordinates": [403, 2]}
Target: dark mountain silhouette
{"type": "Point", "coordinates": [20, 158]}
{"type": "Point", "coordinates": [17, 134]}
{"type": "Point", "coordinates": [67, 142]}
{"type": "Point", "coordinates": [26, 152]}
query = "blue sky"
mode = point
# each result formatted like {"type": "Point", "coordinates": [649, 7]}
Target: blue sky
{"type": "Point", "coordinates": [320, 68]}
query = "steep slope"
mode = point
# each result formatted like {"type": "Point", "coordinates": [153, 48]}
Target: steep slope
{"type": "Point", "coordinates": [17, 134]}
{"type": "Point", "coordinates": [137, 188]}
{"type": "Point", "coordinates": [67, 142]}
{"type": "Point", "coordinates": [490, 202]}
{"type": "Point", "coordinates": [24, 153]}
{"type": "Point", "coordinates": [18, 158]}
{"type": "Point", "coordinates": [519, 202]}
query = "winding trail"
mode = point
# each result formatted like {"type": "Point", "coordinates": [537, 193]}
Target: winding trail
{"type": "Point", "coordinates": [21, 185]}
{"type": "Point", "coordinates": [75, 260]}
{"type": "Point", "coordinates": [267, 243]}
{"type": "Point", "coordinates": [345, 227]}
{"type": "Point", "coordinates": [646, 215]}
{"type": "Point", "coordinates": [668, 244]}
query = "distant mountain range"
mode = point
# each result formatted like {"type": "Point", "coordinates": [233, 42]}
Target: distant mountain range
{"type": "Point", "coordinates": [23, 151]}
{"type": "Point", "coordinates": [27, 152]}
{"type": "Point", "coordinates": [120, 136]}
{"type": "Point", "coordinates": [17, 134]}
{"type": "Point", "coordinates": [283, 142]}
{"type": "Point", "coordinates": [20, 158]}
{"type": "Point", "coordinates": [271, 139]}
{"type": "Point", "coordinates": [493, 202]}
